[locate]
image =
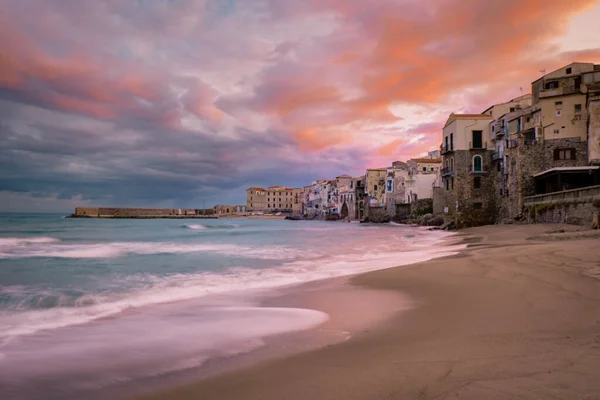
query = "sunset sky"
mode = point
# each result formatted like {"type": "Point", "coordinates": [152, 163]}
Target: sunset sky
{"type": "Point", "coordinates": [182, 103]}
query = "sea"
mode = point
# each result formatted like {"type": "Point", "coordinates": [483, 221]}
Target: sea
{"type": "Point", "coordinates": [88, 304]}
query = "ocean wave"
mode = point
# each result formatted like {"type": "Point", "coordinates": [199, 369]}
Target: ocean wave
{"type": "Point", "coordinates": [200, 227]}
{"type": "Point", "coordinates": [11, 248]}
{"type": "Point", "coordinates": [148, 289]}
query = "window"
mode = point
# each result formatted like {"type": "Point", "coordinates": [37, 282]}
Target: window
{"type": "Point", "coordinates": [477, 139]}
{"type": "Point", "coordinates": [424, 169]}
{"type": "Point", "coordinates": [452, 182]}
{"type": "Point", "coordinates": [477, 182]}
{"type": "Point", "coordinates": [552, 85]}
{"type": "Point", "coordinates": [374, 187]}
{"type": "Point", "coordinates": [499, 166]}
{"type": "Point", "coordinates": [447, 184]}
{"type": "Point", "coordinates": [556, 131]}
{"type": "Point", "coordinates": [558, 113]}
{"type": "Point", "coordinates": [558, 103]}
{"type": "Point", "coordinates": [477, 164]}
{"type": "Point", "coordinates": [512, 109]}
{"type": "Point", "coordinates": [432, 169]}
{"type": "Point", "coordinates": [564, 154]}
{"type": "Point", "coordinates": [446, 140]}
{"type": "Point", "coordinates": [577, 108]}
{"type": "Point", "coordinates": [569, 70]}
{"type": "Point", "coordinates": [452, 141]}
{"type": "Point", "coordinates": [477, 206]}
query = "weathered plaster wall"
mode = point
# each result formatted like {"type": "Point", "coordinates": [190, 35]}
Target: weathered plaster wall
{"type": "Point", "coordinates": [594, 132]}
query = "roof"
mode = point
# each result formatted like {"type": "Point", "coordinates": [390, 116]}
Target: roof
{"type": "Point", "coordinates": [564, 67]}
{"type": "Point", "coordinates": [567, 169]}
{"type": "Point", "coordinates": [427, 160]}
{"type": "Point", "coordinates": [344, 176]}
{"type": "Point", "coordinates": [522, 97]}
{"type": "Point", "coordinates": [254, 188]}
{"type": "Point", "coordinates": [377, 169]}
{"type": "Point", "coordinates": [453, 117]}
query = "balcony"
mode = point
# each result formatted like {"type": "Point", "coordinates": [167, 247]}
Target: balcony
{"type": "Point", "coordinates": [478, 146]}
{"type": "Point", "coordinates": [513, 143]}
{"type": "Point", "coordinates": [496, 156]}
{"type": "Point", "coordinates": [560, 91]}
{"type": "Point", "coordinates": [498, 128]}
{"type": "Point", "coordinates": [446, 171]}
{"type": "Point", "coordinates": [446, 149]}
{"type": "Point", "coordinates": [529, 141]}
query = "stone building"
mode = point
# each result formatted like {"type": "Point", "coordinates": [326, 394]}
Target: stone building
{"type": "Point", "coordinates": [374, 191]}
{"type": "Point", "coordinates": [359, 202]}
{"type": "Point", "coordinates": [256, 199]}
{"type": "Point", "coordinates": [223, 210]}
{"type": "Point", "coordinates": [592, 81]}
{"type": "Point", "coordinates": [467, 179]}
{"type": "Point", "coordinates": [395, 182]}
{"type": "Point", "coordinates": [424, 165]}
{"type": "Point", "coordinates": [551, 133]}
{"type": "Point", "coordinates": [274, 199]}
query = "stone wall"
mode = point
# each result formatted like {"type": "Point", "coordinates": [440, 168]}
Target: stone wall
{"type": "Point", "coordinates": [571, 212]}
{"type": "Point", "coordinates": [114, 212]}
{"type": "Point", "coordinates": [594, 130]}
{"type": "Point", "coordinates": [526, 159]}
{"type": "Point", "coordinates": [468, 205]}
{"type": "Point", "coordinates": [421, 207]}
{"type": "Point", "coordinates": [438, 200]}
{"type": "Point", "coordinates": [377, 214]}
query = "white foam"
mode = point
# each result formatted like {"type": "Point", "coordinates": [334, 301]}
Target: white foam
{"type": "Point", "coordinates": [196, 227]}
{"type": "Point", "coordinates": [190, 286]}
{"type": "Point", "coordinates": [43, 247]}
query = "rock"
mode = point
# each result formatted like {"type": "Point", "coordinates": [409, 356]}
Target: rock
{"type": "Point", "coordinates": [448, 226]}
{"type": "Point", "coordinates": [436, 220]}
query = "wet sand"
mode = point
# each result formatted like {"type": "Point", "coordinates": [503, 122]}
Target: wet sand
{"type": "Point", "coordinates": [515, 316]}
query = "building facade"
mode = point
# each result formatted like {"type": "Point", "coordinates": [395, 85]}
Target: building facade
{"type": "Point", "coordinates": [466, 155]}
{"type": "Point", "coordinates": [274, 199]}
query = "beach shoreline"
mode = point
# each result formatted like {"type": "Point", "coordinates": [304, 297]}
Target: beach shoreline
{"type": "Point", "coordinates": [514, 315]}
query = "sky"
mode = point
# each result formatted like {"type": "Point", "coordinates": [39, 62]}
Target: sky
{"type": "Point", "coordinates": [186, 103]}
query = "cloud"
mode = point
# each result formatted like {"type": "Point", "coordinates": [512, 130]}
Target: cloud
{"type": "Point", "coordinates": [181, 102]}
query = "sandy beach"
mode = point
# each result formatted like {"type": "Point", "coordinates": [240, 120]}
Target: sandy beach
{"type": "Point", "coordinates": [514, 316]}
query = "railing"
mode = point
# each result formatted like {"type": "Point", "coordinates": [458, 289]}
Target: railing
{"type": "Point", "coordinates": [446, 149]}
{"type": "Point", "coordinates": [513, 143]}
{"type": "Point", "coordinates": [559, 91]}
{"type": "Point", "coordinates": [529, 142]}
{"type": "Point", "coordinates": [496, 156]}
{"type": "Point", "coordinates": [589, 192]}
{"type": "Point", "coordinates": [482, 146]}
{"type": "Point", "coordinates": [446, 171]}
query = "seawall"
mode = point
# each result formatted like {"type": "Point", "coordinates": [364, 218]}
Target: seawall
{"type": "Point", "coordinates": [117, 212]}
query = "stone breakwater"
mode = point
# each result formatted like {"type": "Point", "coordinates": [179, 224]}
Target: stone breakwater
{"type": "Point", "coordinates": [115, 212]}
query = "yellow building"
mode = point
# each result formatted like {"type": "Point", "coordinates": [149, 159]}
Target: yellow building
{"type": "Point", "coordinates": [427, 165]}
{"type": "Point", "coordinates": [560, 99]}
{"type": "Point", "coordinates": [274, 199]}
{"type": "Point", "coordinates": [256, 199]}
{"type": "Point", "coordinates": [375, 186]}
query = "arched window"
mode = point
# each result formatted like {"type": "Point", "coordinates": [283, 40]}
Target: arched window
{"type": "Point", "coordinates": [477, 164]}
